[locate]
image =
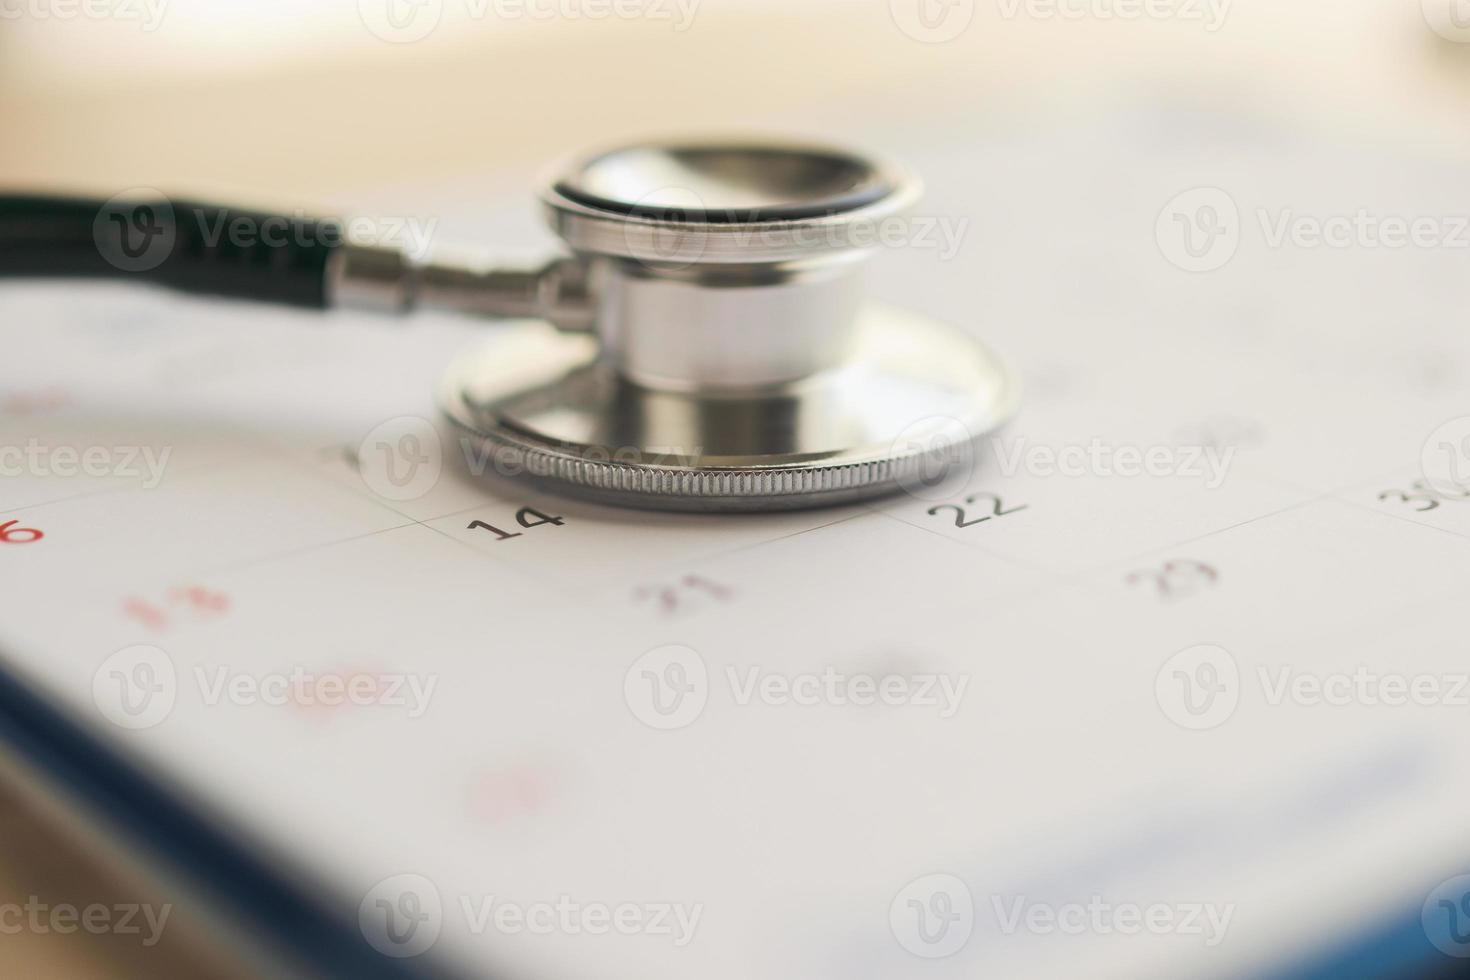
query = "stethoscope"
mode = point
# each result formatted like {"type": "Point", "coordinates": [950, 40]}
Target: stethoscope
{"type": "Point", "coordinates": [705, 345]}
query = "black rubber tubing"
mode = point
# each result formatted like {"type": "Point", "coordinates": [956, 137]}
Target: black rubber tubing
{"type": "Point", "coordinates": [196, 248]}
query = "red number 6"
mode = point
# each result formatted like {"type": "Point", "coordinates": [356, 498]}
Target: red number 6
{"type": "Point", "coordinates": [10, 534]}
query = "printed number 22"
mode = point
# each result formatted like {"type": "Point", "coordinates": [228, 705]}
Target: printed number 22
{"type": "Point", "coordinates": [997, 509]}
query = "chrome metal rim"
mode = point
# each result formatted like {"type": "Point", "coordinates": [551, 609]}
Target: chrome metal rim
{"type": "Point", "coordinates": [540, 405]}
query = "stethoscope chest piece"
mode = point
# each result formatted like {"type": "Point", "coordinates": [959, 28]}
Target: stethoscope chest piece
{"type": "Point", "coordinates": [711, 349]}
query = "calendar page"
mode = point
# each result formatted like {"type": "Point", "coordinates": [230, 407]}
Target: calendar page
{"type": "Point", "coordinates": [1171, 683]}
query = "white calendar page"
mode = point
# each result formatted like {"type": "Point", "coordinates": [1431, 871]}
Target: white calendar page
{"type": "Point", "coordinates": [647, 729]}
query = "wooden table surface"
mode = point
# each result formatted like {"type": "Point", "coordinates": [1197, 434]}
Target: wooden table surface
{"type": "Point", "coordinates": [47, 866]}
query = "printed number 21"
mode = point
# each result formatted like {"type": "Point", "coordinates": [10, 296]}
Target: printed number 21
{"type": "Point", "coordinates": [997, 509]}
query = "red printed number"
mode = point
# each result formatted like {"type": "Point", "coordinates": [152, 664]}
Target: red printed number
{"type": "Point", "coordinates": [10, 534]}
{"type": "Point", "coordinates": [200, 602]}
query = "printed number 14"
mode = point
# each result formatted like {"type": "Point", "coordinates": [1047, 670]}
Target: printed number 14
{"type": "Point", "coordinates": [527, 517]}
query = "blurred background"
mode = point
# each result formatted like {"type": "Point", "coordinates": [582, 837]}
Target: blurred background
{"type": "Point", "coordinates": [321, 100]}
{"type": "Point", "coordinates": [360, 104]}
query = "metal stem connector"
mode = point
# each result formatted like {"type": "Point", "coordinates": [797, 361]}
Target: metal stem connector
{"type": "Point", "coordinates": [383, 280]}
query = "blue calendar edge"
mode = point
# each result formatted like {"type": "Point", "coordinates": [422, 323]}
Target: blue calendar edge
{"type": "Point", "coordinates": [138, 813]}
{"type": "Point", "coordinates": [122, 799]}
